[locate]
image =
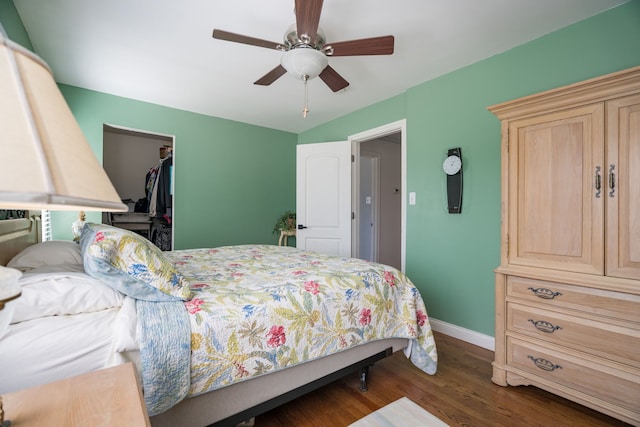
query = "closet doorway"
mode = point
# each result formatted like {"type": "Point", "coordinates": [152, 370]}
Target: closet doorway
{"type": "Point", "coordinates": [140, 166]}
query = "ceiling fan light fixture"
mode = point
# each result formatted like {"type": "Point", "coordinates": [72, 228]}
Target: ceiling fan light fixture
{"type": "Point", "coordinates": [303, 62]}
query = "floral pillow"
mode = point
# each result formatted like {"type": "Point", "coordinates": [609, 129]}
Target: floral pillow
{"type": "Point", "coordinates": [131, 264]}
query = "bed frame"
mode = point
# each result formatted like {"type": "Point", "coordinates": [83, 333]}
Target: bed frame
{"type": "Point", "coordinates": [17, 234]}
{"type": "Point", "coordinates": [238, 402]}
{"type": "Point", "coordinates": [241, 401]}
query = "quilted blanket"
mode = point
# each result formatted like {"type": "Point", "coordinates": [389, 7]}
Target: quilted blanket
{"type": "Point", "coordinates": [164, 353]}
{"type": "Point", "coordinates": [259, 308]}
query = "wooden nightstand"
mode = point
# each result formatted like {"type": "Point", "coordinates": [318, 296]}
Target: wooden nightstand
{"type": "Point", "coordinates": [108, 397]}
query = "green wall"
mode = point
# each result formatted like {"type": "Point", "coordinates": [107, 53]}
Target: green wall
{"type": "Point", "coordinates": [12, 24]}
{"type": "Point", "coordinates": [449, 257]}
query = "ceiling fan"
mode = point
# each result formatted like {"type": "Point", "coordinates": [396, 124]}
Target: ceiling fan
{"type": "Point", "coordinates": [305, 50]}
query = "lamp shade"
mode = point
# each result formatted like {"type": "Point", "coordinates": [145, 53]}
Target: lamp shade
{"type": "Point", "coordinates": [303, 62]}
{"type": "Point", "coordinates": [45, 160]}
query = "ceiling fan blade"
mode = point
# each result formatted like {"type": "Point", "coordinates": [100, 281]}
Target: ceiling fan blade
{"type": "Point", "coordinates": [334, 80]}
{"type": "Point", "coordinates": [372, 46]}
{"type": "Point", "coordinates": [271, 76]}
{"type": "Point", "coordinates": [308, 18]}
{"type": "Point", "coordinates": [238, 38]}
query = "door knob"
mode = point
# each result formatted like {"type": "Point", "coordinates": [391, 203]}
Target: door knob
{"type": "Point", "coordinates": [301, 227]}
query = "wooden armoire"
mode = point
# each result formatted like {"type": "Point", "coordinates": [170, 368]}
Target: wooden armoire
{"type": "Point", "coordinates": [568, 286]}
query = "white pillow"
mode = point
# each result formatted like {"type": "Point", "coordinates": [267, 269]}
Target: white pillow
{"type": "Point", "coordinates": [58, 294]}
{"type": "Point", "coordinates": [53, 252]}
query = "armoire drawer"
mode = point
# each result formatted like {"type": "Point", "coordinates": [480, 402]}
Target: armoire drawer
{"type": "Point", "coordinates": [592, 336]}
{"type": "Point", "coordinates": [610, 385]}
{"type": "Point", "coordinates": [595, 301]}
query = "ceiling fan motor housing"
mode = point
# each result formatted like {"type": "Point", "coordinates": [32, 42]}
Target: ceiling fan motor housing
{"type": "Point", "coordinates": [292, 40]}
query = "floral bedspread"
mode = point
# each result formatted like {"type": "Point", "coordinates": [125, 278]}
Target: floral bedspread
{"type": "Point", "coordinates": [260, 308]}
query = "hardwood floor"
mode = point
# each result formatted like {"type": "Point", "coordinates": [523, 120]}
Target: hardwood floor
{"type": "Point", "coordinates": [460, 393]}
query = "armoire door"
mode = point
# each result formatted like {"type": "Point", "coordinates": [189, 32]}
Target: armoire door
{"type": "Point", "coordinates": [556, 209]}
{"type": "Point", "coordinates": [623, 187]}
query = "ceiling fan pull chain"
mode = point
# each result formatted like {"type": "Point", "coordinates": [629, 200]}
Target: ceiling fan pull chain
{"type": "Point", "coordinates": [305, 110]}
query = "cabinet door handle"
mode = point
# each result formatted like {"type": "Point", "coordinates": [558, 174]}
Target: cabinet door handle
{"type": "Point", "coordinates": [612, 180]}
{"type": "Point", "coordinates": [598, 182]}
{"type": "Point", "coordinates": [544, 293]}
{"type": "Point", "coordinates": [544, 326]}
{"type": "Point", "coordinates": [544, 364]}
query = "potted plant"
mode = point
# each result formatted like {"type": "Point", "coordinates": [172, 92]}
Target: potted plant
{"type": "Point", "coordinates": [285, 222]}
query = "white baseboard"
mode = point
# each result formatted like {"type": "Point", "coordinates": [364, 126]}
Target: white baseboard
{"type": "Point", "coordinates": [472, 337]}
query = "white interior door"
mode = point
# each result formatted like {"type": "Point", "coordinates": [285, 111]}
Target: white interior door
{"type": "Point", "coordinates": [323, 197]}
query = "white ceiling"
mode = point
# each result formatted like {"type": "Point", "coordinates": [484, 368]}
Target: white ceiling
{"type": "Point", "coordinates": [161, 51]}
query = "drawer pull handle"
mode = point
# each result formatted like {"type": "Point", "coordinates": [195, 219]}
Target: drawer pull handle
{"type": "Point", "coordinates": [544, 326]}
{"type": "Point", "coordinates": [544, 293]}
{"type": "Point", "coordinates": [544, 364]}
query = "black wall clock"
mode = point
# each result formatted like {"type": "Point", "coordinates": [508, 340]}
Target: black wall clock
{"type": "Point", "coordinates": [452, 166]}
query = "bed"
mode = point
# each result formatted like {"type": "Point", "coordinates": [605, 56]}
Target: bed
{"type": "Point", "coordinates": [219, 335]}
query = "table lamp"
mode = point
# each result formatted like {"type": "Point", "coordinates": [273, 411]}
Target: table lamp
{"type": "Point", "coordinates": [46, 161]}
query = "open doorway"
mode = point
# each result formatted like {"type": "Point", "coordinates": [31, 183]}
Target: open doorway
{"type": "Point", "coordinates": [380, 187]}
{"type": "Point", "coordinates": [328, 195]}
{"type": "Point", "coordinates": [140, 166]}
{"type": "Point", "coordinates": [379, 195]}
{"type": "Point", "coordinates": [369, 206]}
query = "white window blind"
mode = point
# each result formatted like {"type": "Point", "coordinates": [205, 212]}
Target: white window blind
{"type": "Point", "coordinates": [45, 216]}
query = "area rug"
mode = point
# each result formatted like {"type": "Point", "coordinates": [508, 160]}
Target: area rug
{"type": "Point", "coordinates": [401, 413]}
